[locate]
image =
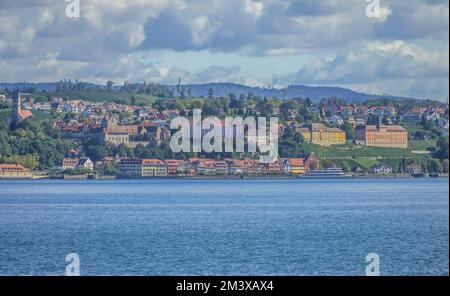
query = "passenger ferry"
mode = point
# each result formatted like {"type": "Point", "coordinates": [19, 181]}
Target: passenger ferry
{"type": "Point", "coordinates": [327, 173]}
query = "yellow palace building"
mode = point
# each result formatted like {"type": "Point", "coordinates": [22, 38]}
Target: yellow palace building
{"type": "Point", "coordinates": [320, 134]}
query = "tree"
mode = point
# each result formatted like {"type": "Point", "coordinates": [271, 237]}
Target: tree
{"type": "Point", "coordinates": [76, 171]}
{"type": "Point", "coordinates": [189, 91]}
{"type": "Point", "coordinates": [347, 127]}
{"type": "Point", "coordinates": [110, 170]}
{"type": "Point", "coordinates": [33, 143]}
{"type": "Point", "coordinates": [308, 102]}
{"type": "Point", "coordinates": [124, 151]}
{"type": "Point", "coordinates": [419, 135]}
{"type": "Point", "coordinates": [264, 107]}
{"type": "Point", "coordinates": [235, 103]}
{"type": "Point", "coordinates": [373, 120]}
{"type": "Point", "coordinates": [443, 148]}
{"type": "Point", "coordinates": [5, 104]}
{"type": "Point", "coordinates": [29, 161]}
{"type": "Point", "coordinates": [445, 166]}
{"type": "Point", "coordinates": [109, 85]}
{"type": "Point", "coordinates": [288, 105]}
{"type": "Point", "coordinates": [96, 152]}
{"type": "Point", "coordinates": [291, 144]}
{"type": "Point", "coordinates": [434, 166]}
{"type": "Point", "coordinates": [183, 93]}
{"type": "Point", "coordinates": [210, 93]}
{"type": "Point", "coordinates": [69, 116]}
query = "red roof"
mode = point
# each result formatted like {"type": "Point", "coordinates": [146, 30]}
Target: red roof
{"type": "Point", "coordinates": [130, 129]}
{"type": "Point", "coordinates": [70, 161]}
{"type": "Point", "coordinates": [152, 161]}
{"type": "Point", "coordinates": [207, 162]}
{"type": "Point", "coordinates": [174, 161]}
{"type": "Point", "coordinates": [296, 161]}
{"type": "Point", "coordinates": [25, 114]}
{"type": "Point", "coordinates": [12, 167]}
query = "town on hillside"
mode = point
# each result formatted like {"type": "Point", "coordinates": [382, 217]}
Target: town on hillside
{"type": "Point", "coordinates": [59, 134]}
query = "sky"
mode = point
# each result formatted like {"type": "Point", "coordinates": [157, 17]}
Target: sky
{"type": "Point", "coordinates": [403, 51]}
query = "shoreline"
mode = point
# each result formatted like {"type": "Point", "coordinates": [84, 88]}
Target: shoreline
{"type": "Point", "coordinates": [112, 178]}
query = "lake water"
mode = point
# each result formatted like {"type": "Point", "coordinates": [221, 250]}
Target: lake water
{"type": "Point", "coordinates": [225, 227]}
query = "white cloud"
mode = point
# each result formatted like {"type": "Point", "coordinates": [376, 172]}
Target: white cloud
{"type": "Point", "coordinates": [396, 67]}
{"type": "Point", "coordinates": [254, 8]}
{"type": "Point", "coordinates": [202, 29]}
{"type": "Point", "coordinates": [136, 36]}
{"type": "Point", "coordinates": [37, 40]}
{"type": "Point", "coordinates": [378, 60]}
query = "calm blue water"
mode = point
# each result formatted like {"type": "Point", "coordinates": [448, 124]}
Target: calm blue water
{"type": "Point", "coordinates": [222, 227]}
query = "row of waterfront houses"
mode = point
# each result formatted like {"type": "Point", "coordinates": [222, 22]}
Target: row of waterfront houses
{"type": "Point", "coordinates": [142, 168]}
{"type": "Point", "coordinates": [82, 163]}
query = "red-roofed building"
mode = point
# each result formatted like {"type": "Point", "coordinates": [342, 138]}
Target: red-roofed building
{"type": "Point", "coordinates": [14, 171]}
{"type": "Point", "coordinates": [77, 163]}
{"type": "Point", "coordinates": [130, 168]}
{"type": "Point", "coordinates": [391, 136]}
{"type": "Point", "coordinates": [205, 167]}
{"type": "Point", "coordinates": [142, 168]}
{"type": "Point", "coordinates": [24, 114]}
{"type": "Point", "coordinates": [294, 166]}
{"type": "Point", "coordinates": [175, 166]}
{"type": "Point", "coordinates": [221, 167]}
{"type": "Point", "coordinates": [275, 167]}
{"type": "Point", "coordinates": [153, 168]}
{"type": "Point", "coordinates": [299, 166]}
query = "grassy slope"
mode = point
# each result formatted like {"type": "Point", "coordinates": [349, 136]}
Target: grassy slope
{"type": "Point", "coordinates": [422, 145]}
{"type": "Point", "coordinates": [354, 151]}
{"type": "Point", "coordinates": [350, 155]}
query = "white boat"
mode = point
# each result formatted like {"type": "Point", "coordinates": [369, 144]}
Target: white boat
{"type": "Point", "coordinates": [330, 173]}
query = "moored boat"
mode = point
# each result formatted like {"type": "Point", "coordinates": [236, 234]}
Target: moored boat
{"type": "Point", "coordinates": [330, 173]}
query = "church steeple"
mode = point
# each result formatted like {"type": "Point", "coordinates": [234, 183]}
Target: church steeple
{"type": "Point", "coordinates": [16, 108]}
{"type": "Point", "coordinates": [16, 104]}
{"type": "Point", "coordinates": [17, 114]}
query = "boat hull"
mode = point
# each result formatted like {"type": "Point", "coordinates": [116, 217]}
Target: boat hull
{"type": "Point", "coordinates": [331, 173]}
{"type": "Point", "coordinates": [325, 177]}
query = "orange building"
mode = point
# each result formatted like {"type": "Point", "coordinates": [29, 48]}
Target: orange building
{"type": "Point", "coordinates": [13, 171]}
{"type": "Point", "coordinates": [322, 135]}
{"type": "Point", "coordinates": [175, 166]}
{"type": "Point", "coordinates": [153, 168]}
{"type": "Point", "coordinates": [119, 134]}
{"type": "Point", "coordinates": [389, 136]}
